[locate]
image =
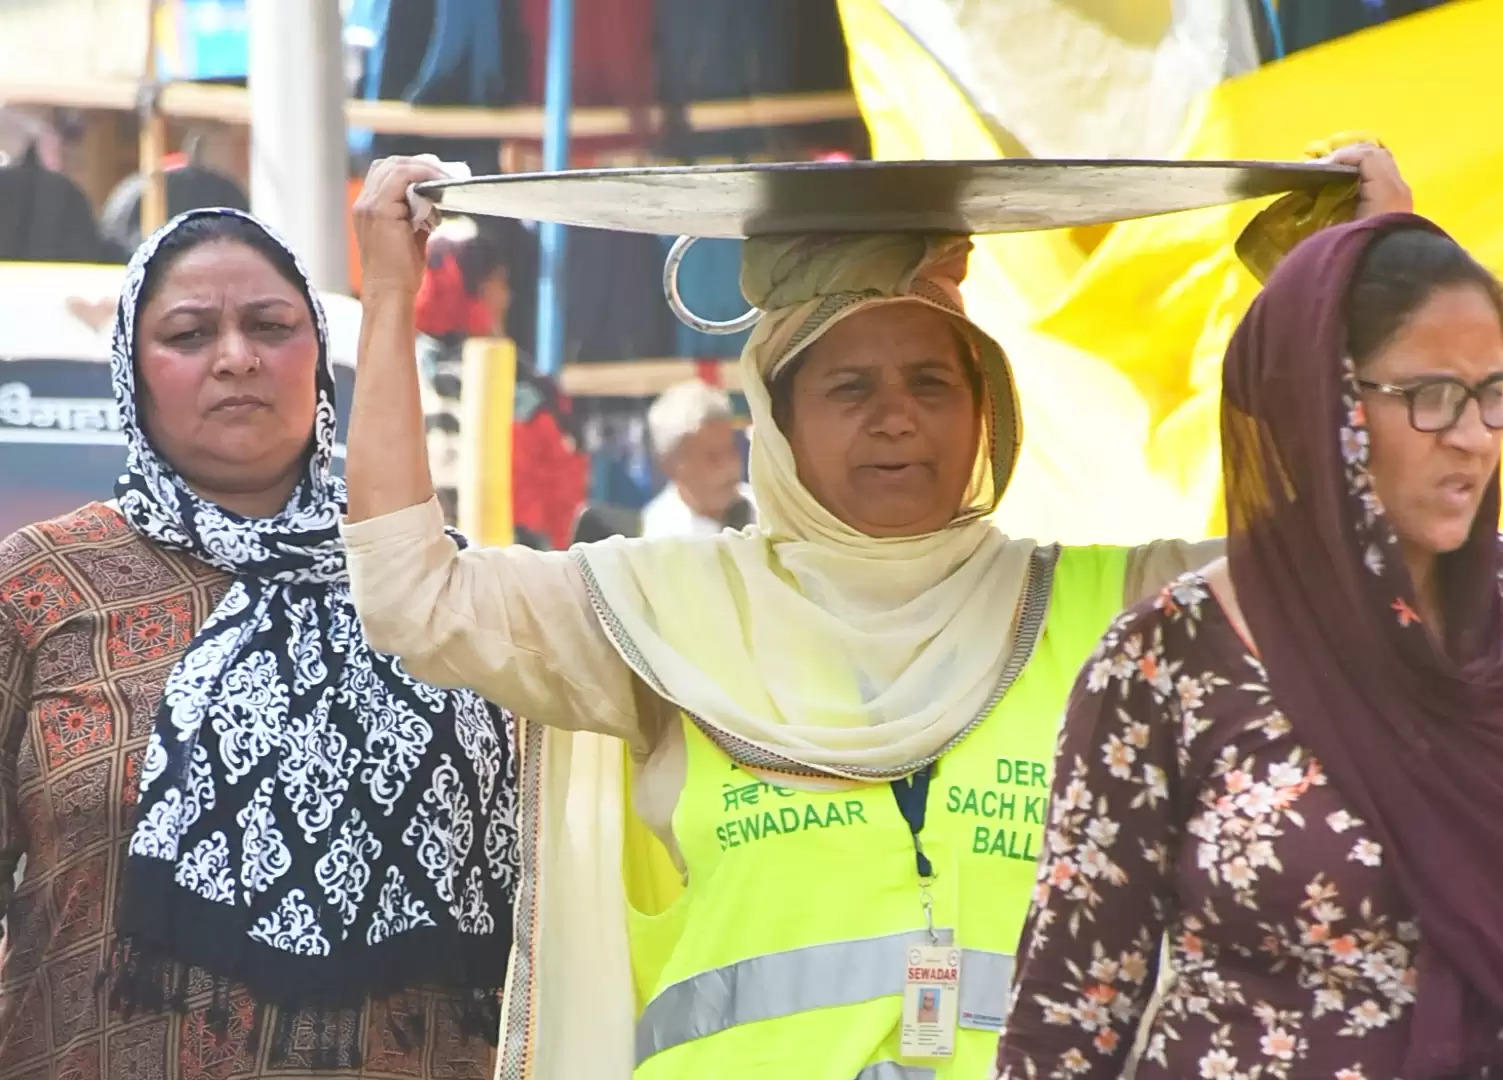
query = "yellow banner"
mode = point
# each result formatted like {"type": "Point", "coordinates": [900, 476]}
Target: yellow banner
{"type": "Point", "coordinates": [1117, 335]}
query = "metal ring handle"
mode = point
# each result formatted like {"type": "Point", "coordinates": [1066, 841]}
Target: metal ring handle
{"type": "Point", "coordinates": [676, 255]}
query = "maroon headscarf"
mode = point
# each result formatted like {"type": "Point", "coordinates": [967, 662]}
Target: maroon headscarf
{"type": "Point", "coordinates": [1411, 733]}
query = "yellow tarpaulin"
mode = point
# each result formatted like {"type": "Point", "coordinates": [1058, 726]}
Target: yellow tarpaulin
{"type": "Point", "coordinates": [1117, 339]}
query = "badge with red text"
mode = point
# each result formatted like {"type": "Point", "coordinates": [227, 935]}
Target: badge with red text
{"type": "Point", "coordinates": [931, 999]}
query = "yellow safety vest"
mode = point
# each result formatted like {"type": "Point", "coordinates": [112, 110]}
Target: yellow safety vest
{"type": "Point", "coordinates": [784, 954]}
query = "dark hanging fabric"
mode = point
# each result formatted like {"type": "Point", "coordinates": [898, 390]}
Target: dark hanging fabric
{"type": "Point", "coordinates": [190, 187]}
{"type": "Point", "coordinates": [614, 306]}
{"type": "Point", "coordinates": [820, 61]}
{"type": "Point", "coordinates": [724, 49]}
{"type": "Point", "coordinates": [614, 62]}
{"type": "Point", "coordinates": [446, 52]}
{"type": "Point", "coordinates": [45, 217]}
{"type": "Point", "coordinates": [1258, 17]}
{"type": "Point", "coordinates": [464, 58]}
{"type": "Point", "coordinates": [614, 65]}
{"type": "Point", "coordinates": [727, 48]}
{"type": "Point", "coordinates": [1305, 24]}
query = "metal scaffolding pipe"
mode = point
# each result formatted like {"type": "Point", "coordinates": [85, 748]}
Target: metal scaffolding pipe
{"type": "Point", "coordinates": [556, 104]}
{"type": "Point", "coordinates": [298, 157]}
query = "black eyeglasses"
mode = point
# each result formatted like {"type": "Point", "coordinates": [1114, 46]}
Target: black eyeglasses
{"type": "Point", "coordinates": [1437, 402]}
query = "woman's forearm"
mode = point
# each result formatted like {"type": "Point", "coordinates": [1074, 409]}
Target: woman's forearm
{"type": "Point", "coordinates": [387, 463]}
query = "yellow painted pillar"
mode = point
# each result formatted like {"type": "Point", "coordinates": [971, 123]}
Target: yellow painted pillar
{"type": "Point", "coordinates": [487, 404]}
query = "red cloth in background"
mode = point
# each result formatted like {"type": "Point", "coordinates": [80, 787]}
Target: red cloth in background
{"type": "Point", "coordinates": [550, 478]}
{"type": "Point", "coordinates": [613, 51]}
{"type": "Point", "coordinates": [443, 307]}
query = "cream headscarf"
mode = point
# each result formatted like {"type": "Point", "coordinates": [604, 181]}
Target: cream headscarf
{"type": "Point", "coordinates": [801, 644]}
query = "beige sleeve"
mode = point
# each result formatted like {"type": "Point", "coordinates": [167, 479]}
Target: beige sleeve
{"type": "Point", "coordinates": [1152, 566]}
{"type": "Point", "coordinates": [511, 623]}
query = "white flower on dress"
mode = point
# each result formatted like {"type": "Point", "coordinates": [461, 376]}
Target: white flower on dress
{"type": "Point", "coordinates": [1369, 1015]}
{"type": "Point", "coordinates": [1074, 1062]}
{"type": "Point", "coordinates": [1239, 874]}
{"type": "Point", "coordinates": [1353, 445]}
{"type": "Point", "coordinates": [1283, 774]}
{"type": "Point", "coordinates": [1328, 1000]}
{"type": "Point", "coordinates": [1100, 675]}
{"type": "Point", "coordinates": [1341, 821]}
{"type": "Point", "coordinates": [1093, 863]}
{"type": "Point", "coordinates": [1256, 802]}
{"type": "Point", "coordinates": [1058, 1013]}
{"type": "Point", "coordinates": [1156, 783]}
{"type": "Point", "coordinates": [1207, 856]}
{"type": "Point", "coordinates": [1077, 796]}
{"type": "Point", "coordinates": [1102, 832]}
{"type": "Point", "coordinates": [1192, 695]}
{"type": "Point", "coordinates": [1134, 967]}
{"type": "Point", "coordinates": [1279, 1044]}
{"type": "Point", "coordinates": [1118, 757]}
{"type": "Point", "coordinates": [1218, 1065]}
{"type": "Point", "coordinates": [1260, 853]}
{"type": "Point", "coordinates": [1367, 852]}
{"type": "Point", "coordinates": [1104, 969]}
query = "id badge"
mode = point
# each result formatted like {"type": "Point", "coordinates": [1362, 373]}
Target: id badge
{"type": "Point", "coordinates": [931, 1000]}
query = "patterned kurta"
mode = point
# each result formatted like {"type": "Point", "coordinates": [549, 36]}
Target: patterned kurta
{"type": "Point", "coordinates": [92, 619]}
{"type": "Point", "coordinates": [1186, 807]}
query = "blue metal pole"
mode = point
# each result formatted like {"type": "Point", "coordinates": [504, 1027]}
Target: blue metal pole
{"type": "Point", "coordinates": [556, 104]}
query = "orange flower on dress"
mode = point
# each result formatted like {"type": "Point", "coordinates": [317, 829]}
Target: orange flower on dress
{"type": "Point", "coordinates": [1344, 948]}
{"type": "Point", "coordinates": [1407, 615]}
{"type": "Point", "coordinates": [1102, 994]}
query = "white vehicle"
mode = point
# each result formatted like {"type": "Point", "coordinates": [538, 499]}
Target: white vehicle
{"type": "Point", "coordinates": [60, 439]}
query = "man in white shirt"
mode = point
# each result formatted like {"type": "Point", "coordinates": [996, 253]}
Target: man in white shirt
{"type": "Point", "coordinates": [694, 437]}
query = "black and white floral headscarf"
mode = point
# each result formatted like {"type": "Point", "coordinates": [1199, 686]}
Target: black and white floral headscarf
{"type": "Point", "coordinates": [314, 822]}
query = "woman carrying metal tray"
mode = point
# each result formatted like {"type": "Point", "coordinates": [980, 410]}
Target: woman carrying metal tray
{"type": "Point", "coordinates": [816, 857]}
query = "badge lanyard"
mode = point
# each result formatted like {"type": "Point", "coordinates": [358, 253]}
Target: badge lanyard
{"type": "Point", "coordinates": [912, 794]}
{"type": "Point", "coordinates": [931, 984]}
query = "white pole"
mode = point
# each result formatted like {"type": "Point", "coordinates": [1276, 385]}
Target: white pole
{"type": "Point", "coordinates": [298, 155]}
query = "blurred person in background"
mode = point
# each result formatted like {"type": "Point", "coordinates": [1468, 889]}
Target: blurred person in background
{"type": "Point", "coordinates": [466, 292]}
{"type": "Point", "coordinates": [693, 434]}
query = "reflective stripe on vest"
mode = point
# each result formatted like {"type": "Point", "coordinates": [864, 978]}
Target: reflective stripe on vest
{"type": "Point", "coordinates": [893, 1070]}
{"type": "Point", "coordinates": [817, 977]}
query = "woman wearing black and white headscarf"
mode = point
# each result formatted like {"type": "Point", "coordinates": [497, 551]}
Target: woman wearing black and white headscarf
{"type": "Point", "coordinates": [313, 858]}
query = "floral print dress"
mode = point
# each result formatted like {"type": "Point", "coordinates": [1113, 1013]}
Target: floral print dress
{"type": "Point", "coordinates": [1187, 816]}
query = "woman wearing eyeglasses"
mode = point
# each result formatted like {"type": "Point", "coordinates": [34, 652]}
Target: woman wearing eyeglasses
{"type": "Point", "coordinates": [1290, 765]}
